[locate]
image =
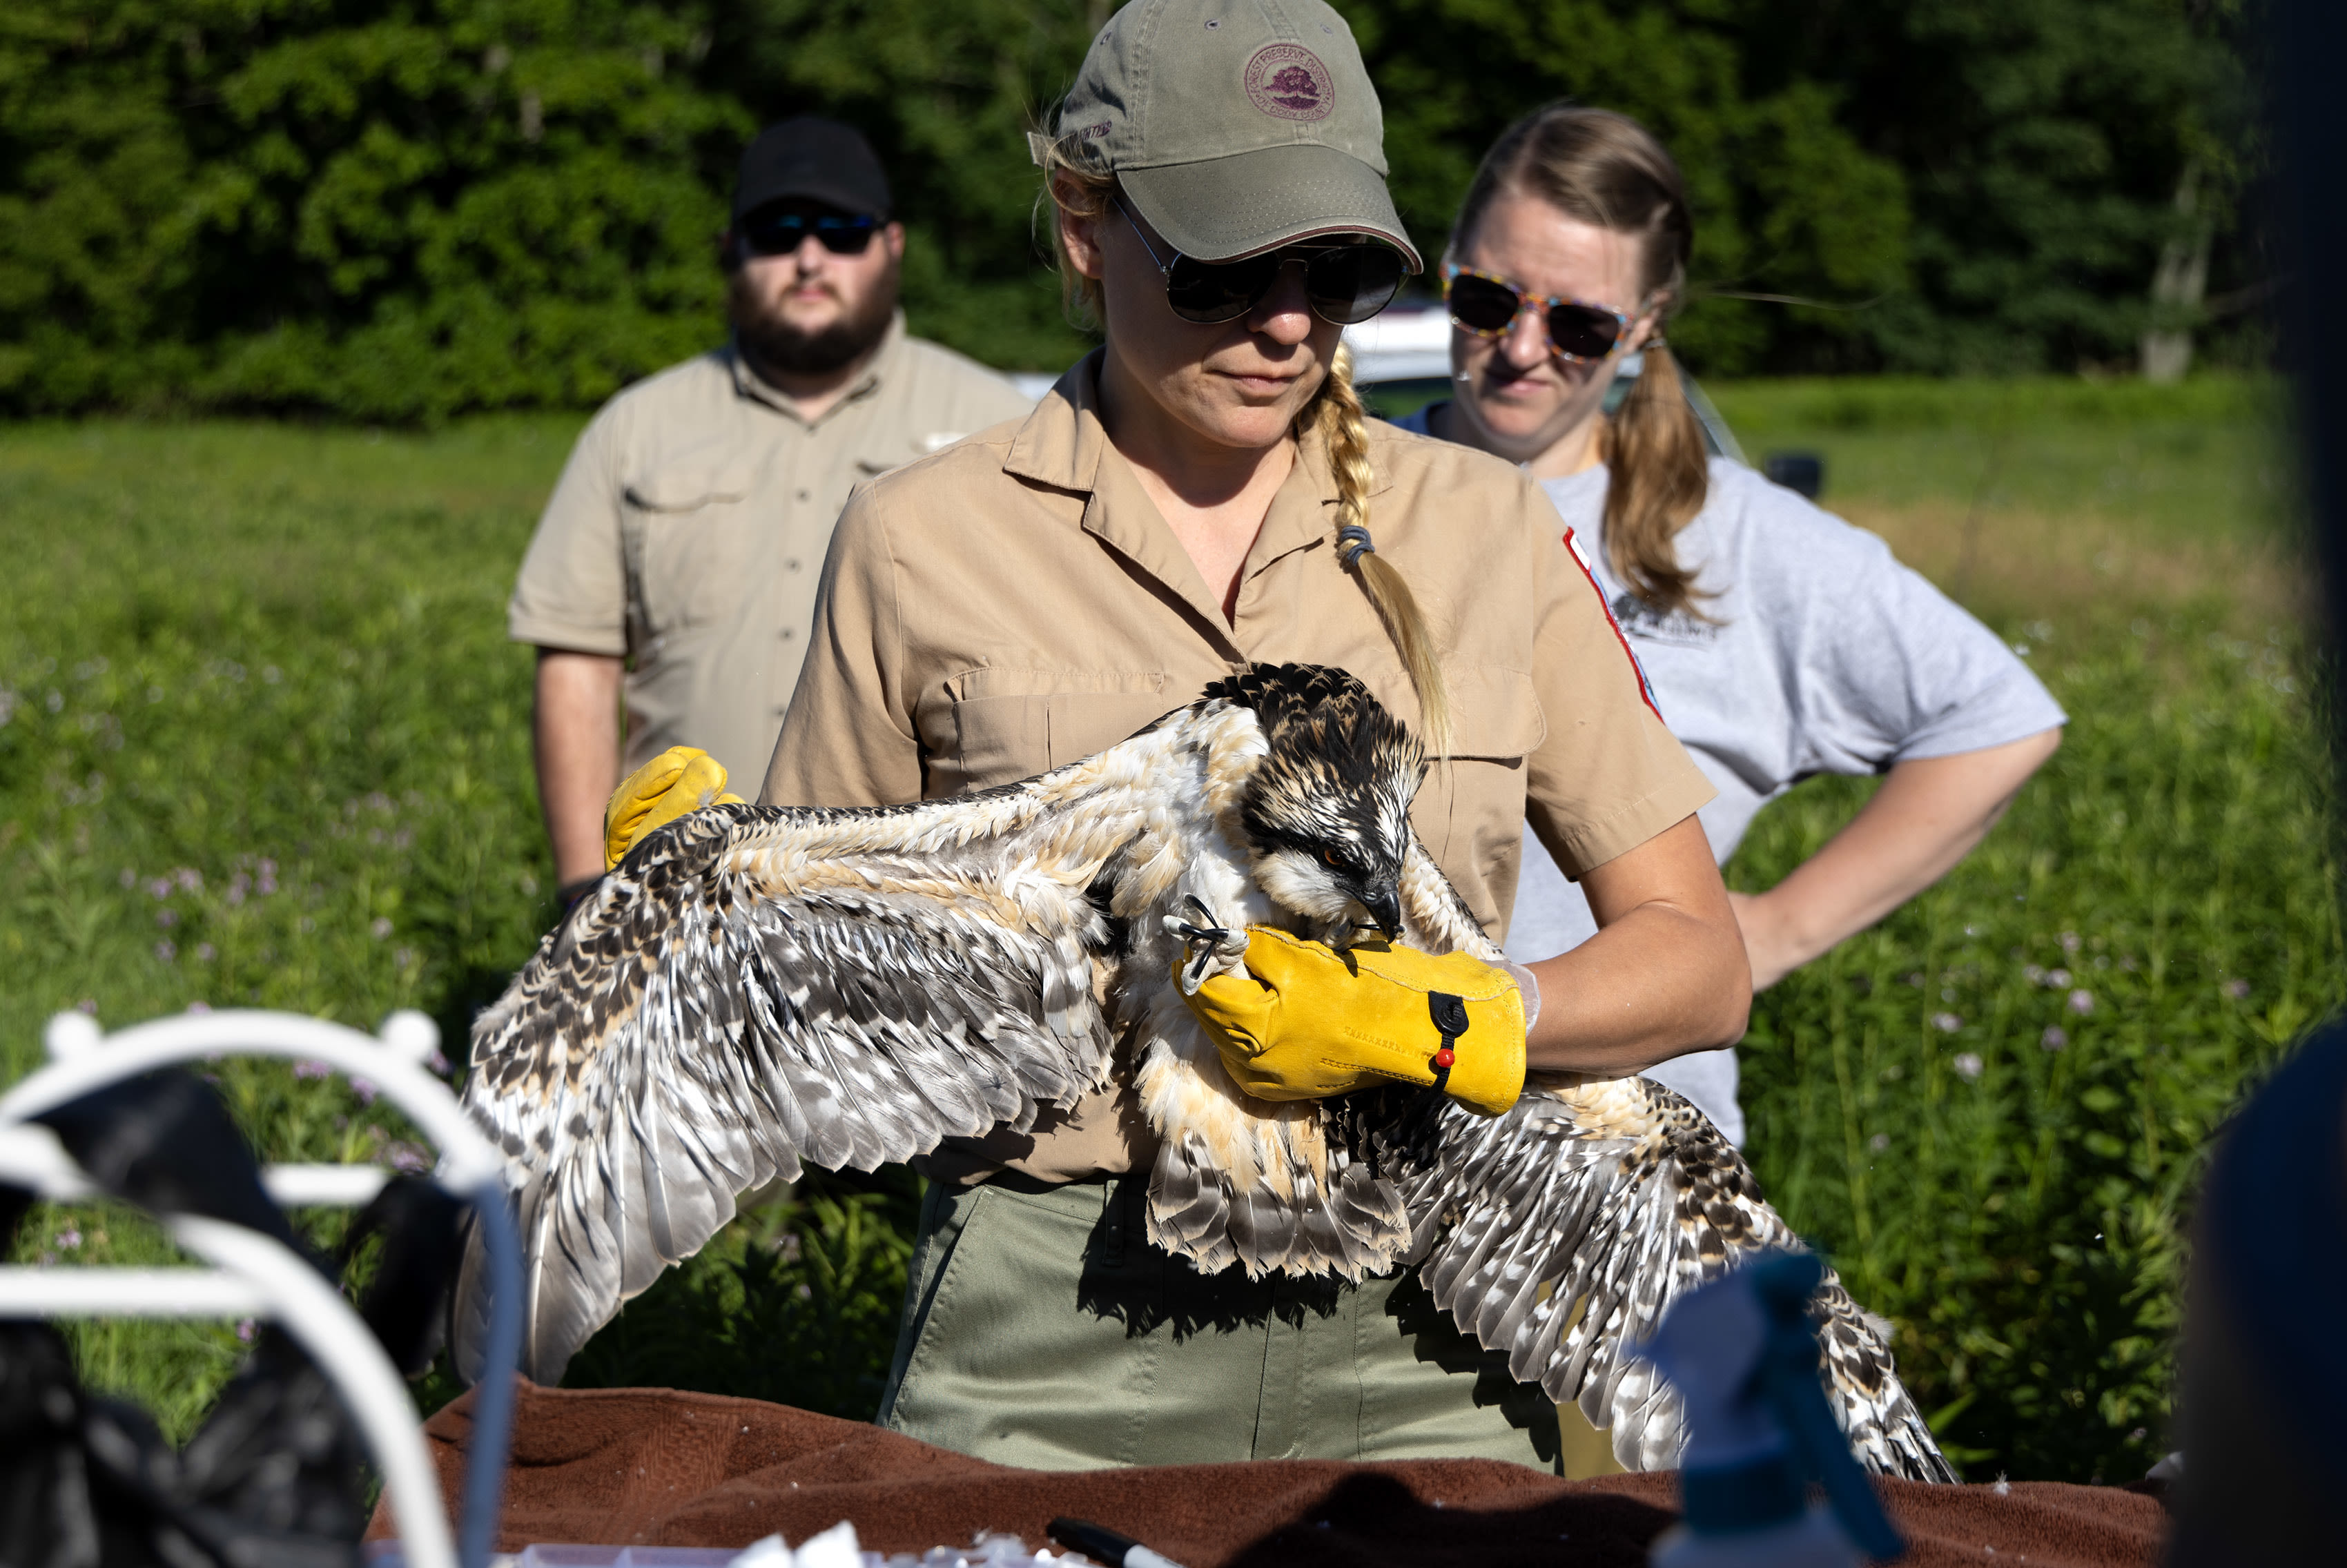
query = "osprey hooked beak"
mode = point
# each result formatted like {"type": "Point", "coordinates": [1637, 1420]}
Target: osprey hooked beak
{"type": "Point", "coordinates": [1383, 901]}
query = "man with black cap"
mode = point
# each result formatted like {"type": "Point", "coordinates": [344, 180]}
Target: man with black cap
{"type": "Point", "coordinates": [673, 571]}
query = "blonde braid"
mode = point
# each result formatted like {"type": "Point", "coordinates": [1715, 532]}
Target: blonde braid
{"type": "Point", "coordinates": [1336, 412]}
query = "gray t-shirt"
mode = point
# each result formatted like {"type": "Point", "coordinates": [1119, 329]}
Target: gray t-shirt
{"type": "Point", "coordinates": [1821, 655]}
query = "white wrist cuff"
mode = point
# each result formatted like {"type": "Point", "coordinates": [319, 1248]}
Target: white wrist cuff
{"type": "Point", "coordinates": [1529, 987]}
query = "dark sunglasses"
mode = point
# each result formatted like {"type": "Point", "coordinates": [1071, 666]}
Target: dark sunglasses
{"type": "Point", "coordinates": [1347, 282]}
{"type": "Point", "coordinates": [1488, 306]}
{"type": "Point", "coordinates": [770, 232]}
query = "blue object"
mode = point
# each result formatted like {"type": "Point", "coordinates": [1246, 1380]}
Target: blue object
{"type": "Point", "coordinates": [1743, 1355]}
{"type": "Point", "coordinates": [1786, 1380]}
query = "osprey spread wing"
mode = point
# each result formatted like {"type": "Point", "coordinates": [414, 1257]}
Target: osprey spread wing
{"type": "Point", "coordinates": [753, 988]}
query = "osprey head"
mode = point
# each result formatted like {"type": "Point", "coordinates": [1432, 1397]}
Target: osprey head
{"type": "Point", "coordinates": [1327, 811]}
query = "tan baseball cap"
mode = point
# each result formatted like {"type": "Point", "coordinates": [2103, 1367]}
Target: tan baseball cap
{"type": "Point", "coordinates": [1236, 127]}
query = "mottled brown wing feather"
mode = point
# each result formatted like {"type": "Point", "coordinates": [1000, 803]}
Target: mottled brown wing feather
{"type": "Point", "coordinates": [1562, 1231]}
{"type": "Point", "coordinates": [701, 1026]}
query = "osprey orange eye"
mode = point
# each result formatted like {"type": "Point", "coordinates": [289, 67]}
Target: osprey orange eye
{"type": "Point", "coordinates": [1336, 859]}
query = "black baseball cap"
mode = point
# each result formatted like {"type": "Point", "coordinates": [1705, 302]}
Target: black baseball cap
{"type": "Point", "coordinates": [814, 158]}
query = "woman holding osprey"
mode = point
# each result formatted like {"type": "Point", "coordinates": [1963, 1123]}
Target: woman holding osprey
{"type": "Point", "coordinates": [1201, 494]}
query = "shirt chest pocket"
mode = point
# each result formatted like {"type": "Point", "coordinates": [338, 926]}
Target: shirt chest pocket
{"type": "Point", "coordinates": [692, 532]}
{"type": "Point", "coordinates": [1495, 715]}
{"type": "Point", "coordinates": [1495, 711]}
{"type": "Point", "coordinates": [1006, 729]}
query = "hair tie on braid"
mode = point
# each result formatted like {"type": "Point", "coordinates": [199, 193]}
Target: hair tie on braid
{"type": "Point", "coordinates": [1334, 415]}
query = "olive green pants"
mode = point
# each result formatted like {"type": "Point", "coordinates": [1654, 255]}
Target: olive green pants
{"type": "Point", "coordinates": [1042, 1329]}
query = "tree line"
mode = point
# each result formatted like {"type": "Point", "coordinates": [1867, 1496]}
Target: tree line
{"type": "Point", "coordinates": [402, 209]}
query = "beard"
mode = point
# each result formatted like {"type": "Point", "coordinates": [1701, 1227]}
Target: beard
{"type": "Point", "coordinates": [794, 351]}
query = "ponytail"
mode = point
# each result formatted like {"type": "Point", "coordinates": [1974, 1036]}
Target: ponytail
{"type": "Point", "coordinates": [1336, 412]}
{"type": "Point", "coordinates": [1658, 478]}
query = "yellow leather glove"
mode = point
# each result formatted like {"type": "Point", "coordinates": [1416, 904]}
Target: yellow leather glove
{"type": "Point", "coordinates": [1303, 1021]}
{"type": "Point", "coordinates": [681, 779]}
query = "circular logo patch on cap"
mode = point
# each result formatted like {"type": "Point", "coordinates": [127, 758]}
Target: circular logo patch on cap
{"type": "Point", "coordinates": [1288, 81]}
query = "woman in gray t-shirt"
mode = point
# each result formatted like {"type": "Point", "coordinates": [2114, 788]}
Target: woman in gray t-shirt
{"type": "Point", "coordinates": [1778, 641]}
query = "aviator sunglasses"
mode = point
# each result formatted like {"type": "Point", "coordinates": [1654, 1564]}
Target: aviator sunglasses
{"type": "Point", "coordinates": [1346, 282]}
{"type": "Point", "coordinates": [1487, 307]}
{"type": "Point", "coordinates": [779, 230]}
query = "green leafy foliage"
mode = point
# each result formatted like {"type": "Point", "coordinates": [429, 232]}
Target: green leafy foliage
{"type": "Point", "coordinates": [1992, 1108]}
{"type": "Point", "coordinates": [262, 744]}
{"type": "Point", "coordinates": [1786, 200]}
{"type": "Point", "coordinates": [391, 212]}
{"type": "Point", "coordinates": [402, 209]}
{"type": "Point", "coordinates": [2042, 146]}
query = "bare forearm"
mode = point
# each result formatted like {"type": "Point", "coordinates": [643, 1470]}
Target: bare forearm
{"type": "Point", "coordinates": [576, 732]}
{"type": "Point", "coordinates": [1927, 816]}
{"type": "Point", "coordinates": [1665, 974]}
{"type": "Point", "coordinates": [1656, 984]}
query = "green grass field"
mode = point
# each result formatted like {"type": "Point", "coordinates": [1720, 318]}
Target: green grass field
{"type": "Point", "coordinates": [261, 742]}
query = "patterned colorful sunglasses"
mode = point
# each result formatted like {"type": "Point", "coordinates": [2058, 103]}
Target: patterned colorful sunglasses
{"type": "Point", "coordinates": [1487, 307]}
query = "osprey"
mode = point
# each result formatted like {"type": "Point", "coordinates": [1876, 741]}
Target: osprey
{"type": "Point", "coordinates": [753, 989]}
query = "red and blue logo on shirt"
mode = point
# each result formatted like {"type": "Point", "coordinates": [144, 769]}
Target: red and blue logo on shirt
{"type": "Point", "coordinates": [1645, 687]}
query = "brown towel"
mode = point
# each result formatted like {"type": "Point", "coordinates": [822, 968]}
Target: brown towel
{"type": "Point", "coordinates": [653, 1466]}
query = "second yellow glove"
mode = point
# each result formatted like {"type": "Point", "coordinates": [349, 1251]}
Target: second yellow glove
{"type": "Point", "coordinates": [681, 779]}
{"type": "Point", "coordinates": [1303, 1021]}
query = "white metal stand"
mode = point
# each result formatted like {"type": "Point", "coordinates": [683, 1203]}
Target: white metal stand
{"type": "Point", "coordinates": [254, 1276]}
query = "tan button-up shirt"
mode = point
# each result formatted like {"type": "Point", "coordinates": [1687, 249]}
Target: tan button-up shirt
{"type": "Point", "coordinates": [1018, 602]}
{"type": "Point", "coordinates": [688, 531]}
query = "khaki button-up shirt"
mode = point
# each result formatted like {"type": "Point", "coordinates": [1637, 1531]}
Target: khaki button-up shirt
{"type": "Point", "coordinates": [1017, 603]}
{"type": "Point", "coordinates": [688, 531]}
